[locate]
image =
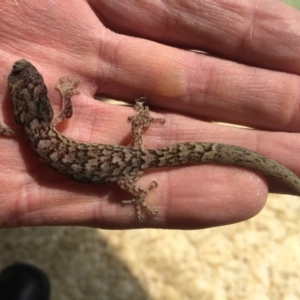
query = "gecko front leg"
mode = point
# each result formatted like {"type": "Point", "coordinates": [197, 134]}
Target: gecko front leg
{"type": "Point", "coordinates": [7, 131]}
{"type": "Point", "coordinates": [67, 88]}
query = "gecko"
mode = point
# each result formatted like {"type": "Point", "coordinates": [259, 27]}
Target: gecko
{"type": "Point", "coordinates": [103, 163]}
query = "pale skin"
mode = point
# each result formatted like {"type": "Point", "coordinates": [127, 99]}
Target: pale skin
{"type": "Point", "coordinates": [184, 87]}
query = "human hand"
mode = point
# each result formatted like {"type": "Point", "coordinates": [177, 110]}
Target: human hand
{"type": "Point", "coordinates": [253, 82]}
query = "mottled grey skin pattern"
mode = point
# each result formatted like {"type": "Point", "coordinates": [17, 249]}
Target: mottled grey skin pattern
{"type": "Point", "coordinates": [100, 163]}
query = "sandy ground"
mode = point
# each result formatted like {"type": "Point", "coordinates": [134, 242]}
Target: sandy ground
{"type": "Point", "coordinates": [256, 259]}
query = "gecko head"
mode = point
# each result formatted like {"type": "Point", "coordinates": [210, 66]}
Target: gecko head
{"type": "Point", "coordinates": [23, 75]}
{"type": "Point", "coordinates": [28, 93]}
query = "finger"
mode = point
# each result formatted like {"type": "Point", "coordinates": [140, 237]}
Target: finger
{"type": "Point", "coordinates": [43, 197]}
{"type": "Point", "coordinates": [263, 33]}
{"type": "Point", "coordinates": [199, 85]}
{"type": "Point", "coordinates": [73, 203]}
{"type": "Point", "coordinates": [213, 196]}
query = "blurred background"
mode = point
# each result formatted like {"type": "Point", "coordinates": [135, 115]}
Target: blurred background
{"type": "Point", "coordinates": [295, 3]}
{"type": "Point", "coordinates": [255, 259]}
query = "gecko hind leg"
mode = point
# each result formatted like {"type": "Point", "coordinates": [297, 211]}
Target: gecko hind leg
{"type": "Point", "coordinates": [67, 88]}
{"type": "Point", "coordinates": [140, 121]}
{"type": "Point", "coordinates": [139, 195]}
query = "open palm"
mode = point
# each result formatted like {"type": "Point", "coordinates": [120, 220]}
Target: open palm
{"type": "Point", "coordinates": [126, 49]}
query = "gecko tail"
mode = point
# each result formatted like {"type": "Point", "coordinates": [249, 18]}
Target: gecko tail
{"type": "Point", "coordinates": [228, 154]}
{"type": "Point", "coordinates": [224, 154]}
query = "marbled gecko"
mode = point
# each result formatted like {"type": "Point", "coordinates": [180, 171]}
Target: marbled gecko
{"type": "Point", "coordinates": [100, 163]}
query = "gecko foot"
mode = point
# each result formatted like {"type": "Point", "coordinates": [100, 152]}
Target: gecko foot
{"type": "Point", "coordinates": [143, 117]}
{"type": "Point", "coordinates": [67, 86]}
{"type": "Point", "coordinates": [139, 201]}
